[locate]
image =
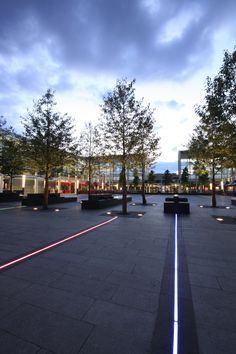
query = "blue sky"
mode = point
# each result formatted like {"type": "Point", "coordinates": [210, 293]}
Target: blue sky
{"type": "Point", "coordinates": [81, 47]}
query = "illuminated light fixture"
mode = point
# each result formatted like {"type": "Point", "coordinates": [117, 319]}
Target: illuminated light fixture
{"type": "Point", "coordinates": [153, 204]}
{"type": "Point", "coordinates": [35, 208]}
{"type": "Point", "coordinates": [55, 244]}
{"type": "Point", "coordinates": [219, 219]}
{"type": "Point", "coordinates": [201, 206]}
{"type": "Point", "coordinates": [57, 209]}
{"type": "Point", "coordinates": [227, 207]}
{"type": "Point", "coordinates": [133, 204]}
{"type": "Point", "coordinates": [108, 212]}
{"type": "Point", "coordinates": [23, 181]}
{"type": "Point", "coordinates": [140, 214]}
{"type": "Point", "coordinates": [176, 314]}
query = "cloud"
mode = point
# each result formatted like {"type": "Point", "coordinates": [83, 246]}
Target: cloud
{"type": "Point", "coordinates": [171, 104]}
{"type": "Point", "coordinates": [80, 47]}
{"type": "Point", "coordinates": [153, 39]}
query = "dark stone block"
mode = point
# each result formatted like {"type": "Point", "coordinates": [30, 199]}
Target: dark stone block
{"type": "Point", "coordinates": [7, 196]}
{"type": "Point", "coordinates": [176, 208]}
{"type": "Point", "coordinates": [233, 201]}
{"type": "Point", "coordinates": [102, 203]}
{"type": "Point", "coordinates": [53, 198]}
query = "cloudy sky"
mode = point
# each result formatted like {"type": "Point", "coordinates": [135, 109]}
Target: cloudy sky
{"type": "Point", "coordinates": [81, 47]}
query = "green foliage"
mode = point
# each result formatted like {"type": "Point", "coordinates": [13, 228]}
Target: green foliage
{"type": "Point", "coordinates": [147, 145]}
{"type": "Point", "coordinates": [136, 179]}
{"type": "Point", "coordinates": [201, 172]}
{"type": "Point", "coordinates": [167, 178]}
{"type": "Point", "coordinates": [48, 140]}
{"type": "Point", "coordinates": [89, 146]}
{"type": "Point", "coordinates": [184, 177]}
{"type": "Point", "coordinates": [11, 159]}
{"type": "Point", "coordinates": [119, 126]}
{"type": "Point", "coordinates": [151, 177]}
{"type": "Point", "coordinates": [214, 139]}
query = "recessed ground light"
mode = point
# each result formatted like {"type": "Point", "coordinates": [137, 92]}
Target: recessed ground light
{"type": "Point", "coordinates": [57, 209]}
{"type": "Point", "coordinates": [153, 204]}
{"type": "Point", "coordinates": [35, 208]}
{"type": "Point", "coordinates": [227, 207]}
{"type": "Point", "coordinates": [219, 219]}
{"type": "Point", "coordinates": [140, 214]}
{"type": "Point", "coordinates": [133, 204]}
{"type": "Point", "coordinates": [108, 212]}
{"type": "Point", "coordinates": [200, 206]}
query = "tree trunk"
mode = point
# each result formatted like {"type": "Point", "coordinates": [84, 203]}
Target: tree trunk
{"type": "Point", "coordinates": [213, 186]}
{"type": "Point", "coordinates": [89, 176]}
{"type": "Point", "coordinates": [124, 191]}
{"type": "Point", "coordinates": [45, 195]}
{"type": "Point", "coordinates": [144, 201]}
{"type": "Point", "coordinates": [11, 178]}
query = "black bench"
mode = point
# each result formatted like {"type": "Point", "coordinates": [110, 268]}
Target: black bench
{"type": "Point", "coordinates": [99, 201]}
{"type": "Point", "coordinates": [233, 201]}
{"type": "Point", "coordinates": [34, 199]}
{"type": "Point", "coordinates": [176, 205]}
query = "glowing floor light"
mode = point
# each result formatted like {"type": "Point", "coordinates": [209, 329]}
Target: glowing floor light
{"type": "Point", "coordinates": [219, 219]}
{"type": "Point", "coordinates": [176, 314]}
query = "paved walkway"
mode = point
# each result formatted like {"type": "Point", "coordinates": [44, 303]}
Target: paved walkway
{"type": "Point", "coordinates": [111, 290]}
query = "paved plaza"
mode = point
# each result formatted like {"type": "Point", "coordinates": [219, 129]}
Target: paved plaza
{"type": "Point", "coordinates": [111, 290]}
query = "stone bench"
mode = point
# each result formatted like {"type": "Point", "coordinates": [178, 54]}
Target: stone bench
{"type": "Point", "coordinates": [233, 201]}
{"type": "Point", "coordinates": [98, 203]}
{"type": "Point", "coordinates": [34, 199]}
{"type": "Point", "coordinates": [100, 196]}
{"type": "Point", "coordinates": [176, 205]}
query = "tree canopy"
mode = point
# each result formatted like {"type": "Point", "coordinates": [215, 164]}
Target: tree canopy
{"type": "Point", "coordinates": [48, 138]}
{"type": "Point", "coordinates": [119, 126]}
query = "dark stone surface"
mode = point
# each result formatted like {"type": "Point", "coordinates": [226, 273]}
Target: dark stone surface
{"type": "Point", "coordinates": [105, 292]}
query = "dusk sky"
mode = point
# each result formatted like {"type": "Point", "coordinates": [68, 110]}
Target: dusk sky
{"type": "Point", "coordinates": [79, 48]}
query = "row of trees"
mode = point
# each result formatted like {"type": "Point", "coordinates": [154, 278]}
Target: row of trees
{"type": "Point", "coordinates": [213, 142]}
{"type": "Point", "coordinates": [126, 132]}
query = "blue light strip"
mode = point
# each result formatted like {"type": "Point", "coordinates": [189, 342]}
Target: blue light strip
{"type": "Point", "coordinates": [176, 314]}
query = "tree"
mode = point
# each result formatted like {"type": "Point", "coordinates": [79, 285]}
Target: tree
{"type": "Point", "coordinates": [11, 157]}
{"type": "Point", "coordinates": [48, 140]}
{"type": "Point", "coordinates": [210, 140]}
{"type": "Point", "coordinates": [147, 147]}
{"type": "Point", "coordinates": [151, 177]}
{"type": "Point", "coordinates": [89, 144]}
{"type": "Point", "coordinates": [201, 173]}
{"type": "Point", "coordinates": [184, 177]}
{"type": "Point", "coordinates": [120, 126]}
{"type": "Point", "coordinates": [136, 179]}
{"type": "Point", "coordinates": [167, 178]}
{"type": "Point", "coordinates": [11, 160]}
{"type": "Point", "coordinates": [227, 75]}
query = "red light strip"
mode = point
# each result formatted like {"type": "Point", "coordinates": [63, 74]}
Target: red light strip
{"type": "Point", "coordinates": [34, 253]}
